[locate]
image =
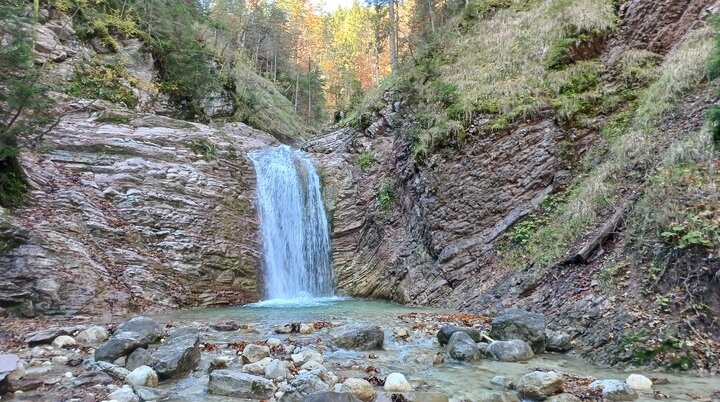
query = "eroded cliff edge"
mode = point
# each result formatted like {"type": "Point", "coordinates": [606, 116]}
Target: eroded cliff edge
{"type": "Point", "coordinates": [144, 213]}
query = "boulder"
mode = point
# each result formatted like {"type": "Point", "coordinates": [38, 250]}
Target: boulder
{"type": "Point", "coordinates": [510, 351]}
{"type": "Point", "coordinates": [639, 382]}
{"type": "Point", "coordinates": [557, 341]}
{"type": "Point", "coordinates": [139, 357]}
{"type": "Point", "coordinates": [359, 337]}
{"type": "Point", "coordinates": [143, 376]}
{"type": "Point", "coordinates": [306, 355]}
{"type": "Point", "coordinates": [234, 383]}
{"type": "Point", "coordinates": [225, 326]}
{"type": "Point", "coordinates": [330, 396]}
{"type": "Point", "coordinates": [303, 385]}
{"type": "Point", "coordinates": [124, 394]}
{"type": "Point", "coordinates": [149, 330]}
{"type": "Point", "coordinates": [614, 390]}
{"type": "Point", "coordinates": [114, 371]}
{"type": "Point", "coordinates": [276, 369]}
{"type": "Point", "coordinates": [519, 324]}
{"type": "Point", "coordinates": [563, 398]}
{"type": "Point", "coordinates": [462, 347]}
{"type": "Point", "coordinates": [8, 364]}
{"type": "Point", "coordinates": [396, 382]}
{"type": "Point", "coordinates": [444, 334]}
{"type": "Point", "coordinates": [119, 345]}
{"type": "Point", "coordinates": [177, 357]}
{"type": "Point", "coordinates": [48, 335]}
{"type": "Point", "coordinates": [220, 362]}
{"type": "Point", "coordinates": [63, 340]}
{"type": "Point", "coordinates": [362, 389]}
{"type": "Point", "coordinates": [497, 396]}
{"type": "Point", "coordinates": [149, 393]}
{"type": "Point", "coordinates": [257, 368]}
{"type": "Point", "coordinates": [93, 335]}
{"type": "Point", "coordinates": [540, 385]}
{"type": "Point", "coordinates": [254, 353]}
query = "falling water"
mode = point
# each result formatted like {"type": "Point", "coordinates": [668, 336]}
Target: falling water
{"type": "Point", "coordinates": [294, 228]}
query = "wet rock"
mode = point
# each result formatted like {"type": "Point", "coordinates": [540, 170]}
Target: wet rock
{"type": "Point", "coordinates": [639, 382]}
{"type": "Point", "coordinates": [558, 341]}
{"type": "Point", "coordinates": [124, 394]}
{"type": "Point", "coordinates": [540, 385]}
{"type": "Point", "coordinates": [119, 345]}
{"type": "Point", "coordinates": [257, 368]}
{"type": "Point", "coordinates": [614, 390]}
{"type": "Point", "coordinates": [497, 396]}
{"type": "Point", "coordinates": [92, 378]}
{"type": "Point", "coordinates": [305, 329]}
{"type": "Point", "coordinates": [48, 335]}
{"type": "Point", "coordinates": [139, 357]}
{"type": "Point", "coordinates": [63, 340]}
{"type": "Point", "coordinates": [330, 396]}
{"type": "Point", "coordinates": [143, 376]}
{"type": "Point", "coordinates": [149, 330]}
{"type": "Point", "coordinates": [396, 382]}
{"type": "Point", "coordinates": [113, 370]}
{"type": "Point", "coordinates": [510, 351]}
{"type": "Point", "coordinates": [362, 389]}
{"type": "Point", "coordinates": [234, 383]}
{"type": "Point", "coordinates": [502, 382]}
{"type": "Point", "coordinates": [462, 347]}
{"type": "Point", "coordinates": [563, 398]}
{"type": "Point", "coordinates": [482, 347]}
{"type": "Point", "coordinates": [150, 394]}
{"type": "Point", "coordinates": [177, 357]}
{"type": "Point", "coordinates": [225, 326]}
{"type": "Point", "coordinates": [220, 362]}
{"type": "Point", "coordinates": [519, 324]}
{"type": "Point", "coordinates": [303, 385]}
{"type": "Point", "coordinates": [276, 369]}
{"type": "Point", "coordinates": [306, 355]}
{"type": "Point", "coordinates": [444, 334]}
{"type": "Point", "coordinates": [254, 353]}
{"type": "Point", "coordinates": [93, 335]}
{"type": "Point", "coordinates": [359, 337]}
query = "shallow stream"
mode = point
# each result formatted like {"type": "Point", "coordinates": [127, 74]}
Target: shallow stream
{"type": "Point", "coordinates": [409, 356]}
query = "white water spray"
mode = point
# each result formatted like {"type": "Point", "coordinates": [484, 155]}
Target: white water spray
{"type": "Point", "coordinates": [293, 225]}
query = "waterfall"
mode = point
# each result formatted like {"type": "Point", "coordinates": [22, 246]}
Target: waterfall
{"type": "Point", "coordinates": [293, 225]}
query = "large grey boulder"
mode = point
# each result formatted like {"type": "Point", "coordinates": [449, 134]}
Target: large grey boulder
{"type": "Point", "coordinates": [119, 345]}
{"type": "Point", "coordinates": [540, 385]}
{"type": "Point", "coordinates": [444, 334]}
{"type": "Point", "coordinates": [93, 335]}
{"type": "Point", "coordinates": [614, 390]}
{"type": "Point", "coordinates": [48, 335]}
{"type": "Point", "coordinates": [520, 324]}
{"type": "Point", "coordinates": [359, 337]}
{"type": "Point", "coordinates": [149, 330]}
{"type": "Point", "coordinates": [462, 347]}
{"type": "Point", "coordinates": [177, 357]}
{"type": "Point", "coordinates": [254, 353]}
{"type": "Point", "coordinates": [510, 351]}
{"type": "Point", "coordinates": [139, 357]}
{"type": "Point", "coordinates": [236, 384]}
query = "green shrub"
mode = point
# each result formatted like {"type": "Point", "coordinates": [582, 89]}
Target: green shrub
{"type": "Point", "coordinates": [386, 194]}
{"type": "Point", "coordinates": [103, 81]}
{"type": "Point", "coordinates": [204, 148]}
{"type": "Point", "coordinates": [443, 93]}
{"type": "Point", "coordinates": [114, 118]}
{"type": "Point", "coordinates": [366, 159]}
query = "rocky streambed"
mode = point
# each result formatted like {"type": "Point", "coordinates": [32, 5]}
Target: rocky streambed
{"type": "Point", "coordinates": [328, 350]}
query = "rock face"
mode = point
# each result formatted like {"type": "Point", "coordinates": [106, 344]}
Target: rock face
{"type": "Point", "coordinates": [519, 324]}
{"type": "Point", "coordinates": [510, 351]}
{"type": "Point", "coordinates": [462, 347]}
{"type": "Point", "coordinates": [359, 337]}
{"type": "Point", "coordinates": [237, 384]}
{"type": "Point", "coordinates": [153, 214]}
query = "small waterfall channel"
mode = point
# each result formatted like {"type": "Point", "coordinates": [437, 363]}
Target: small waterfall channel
{"type": "Point", "coordinates": [293, 225]}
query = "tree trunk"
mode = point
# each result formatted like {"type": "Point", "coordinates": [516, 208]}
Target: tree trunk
{"type": "Point", "coordinates": [297, 89]}
{"type": "Point", "coordinates": [393, 35]}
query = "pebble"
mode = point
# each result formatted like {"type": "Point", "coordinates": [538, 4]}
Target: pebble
{"type": "Point", "coordinates": [63, 340]}
{"type": "Point", "coordinates": [396, 382]}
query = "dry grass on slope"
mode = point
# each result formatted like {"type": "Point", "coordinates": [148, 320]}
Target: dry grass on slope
{"type": "Point", "coordinates": [501, 64]}
{"type": "Point", "coordinates": [632, 156]}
